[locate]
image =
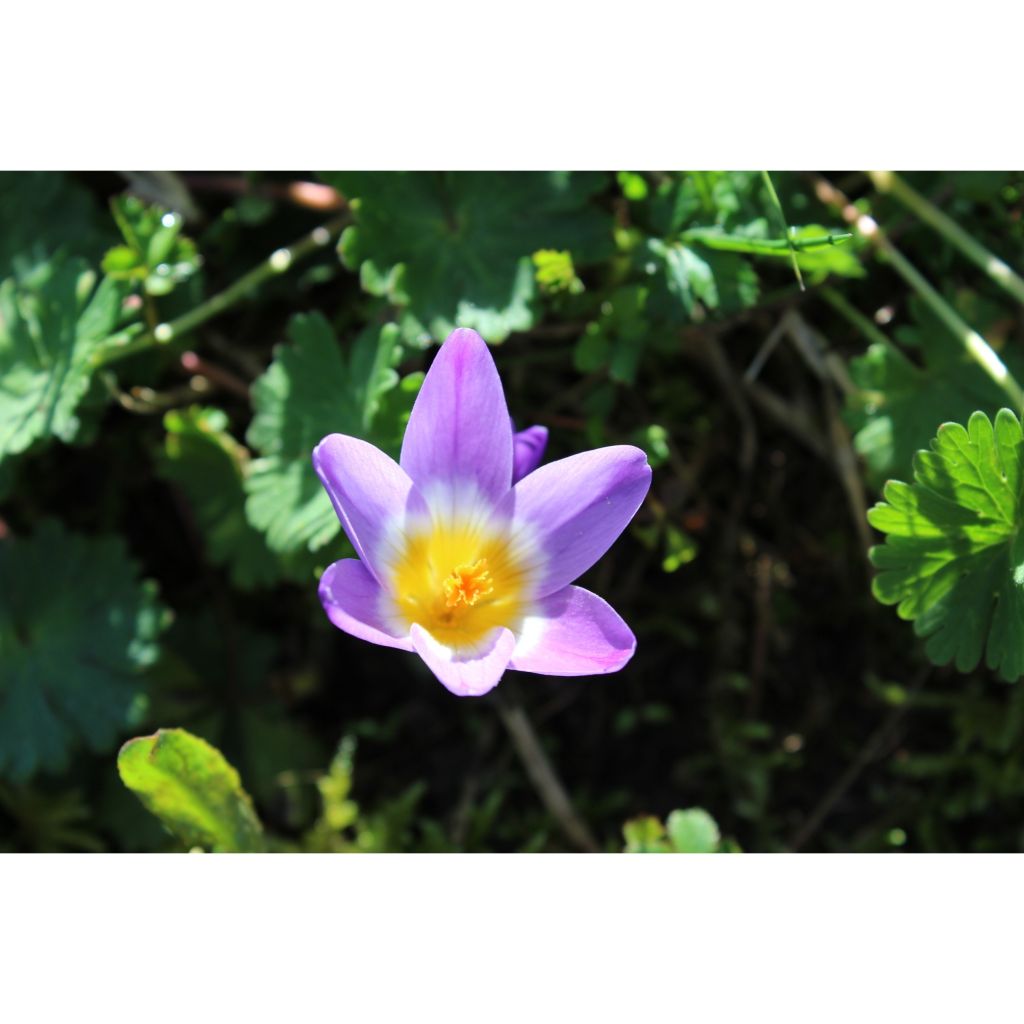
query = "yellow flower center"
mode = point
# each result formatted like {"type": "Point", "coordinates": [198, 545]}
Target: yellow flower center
{"type": "Point", "coordinates": [467, 584]}
{"type": "Point", "coordinates": [460, 580]}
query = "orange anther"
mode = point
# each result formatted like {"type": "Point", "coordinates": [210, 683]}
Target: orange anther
{"type": "Point", "coordinates": [467, 584]}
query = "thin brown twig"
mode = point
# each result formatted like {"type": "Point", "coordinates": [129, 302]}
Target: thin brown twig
{"type": "Point", "coordinates": [793, 418]}
{"type": "Point", "coordinates": [835, 446]}
{"type": "Point", "coordinates": [847, 468]}
{"type": "Point", "coordinates": [973, 344]}
{"type": "Point", "coordinates": [541, 772]}
{"type": "Point", "coordinates": [195, 365]}
{"type": "Point", "coordinates": [814, 349]}
{"type": "Point", "coordinates": [147, 402]}
{"type": "Point", "coordinates": [463, 809]}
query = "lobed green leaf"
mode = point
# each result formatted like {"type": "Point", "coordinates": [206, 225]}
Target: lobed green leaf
{"type": "Point", "coordinates": [76, 630]}
{"type": "Point", "coordinates": [313, 389]}
{"type": "Point", "coordinates": [717, 281]}
{"type": "Point", "coordinates": [953, 560]}
{"type": "Point", "coordinates": [47, 215]}
{"type": "Point", "coordinates": [202, 458]}
{"type": "Point", "coordinates": [899, 404]}
{"type": "Point", "coordinates": [52, 320]}
{"type": "Point", "coordinates": [464, 246]}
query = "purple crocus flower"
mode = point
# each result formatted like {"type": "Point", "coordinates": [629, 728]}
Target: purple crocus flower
{"type": "Point", "coordinates": [527, 451]}
{"type": "Point", "coordinates": [458, 562]}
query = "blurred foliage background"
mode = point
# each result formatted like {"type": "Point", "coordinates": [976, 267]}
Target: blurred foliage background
{"type": "Point", "coordinates": [172, 345]}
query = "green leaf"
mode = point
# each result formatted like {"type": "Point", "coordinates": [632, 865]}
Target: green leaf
{"type": "Point", "coordinates": [817, 263]}
{"type": "Point", "coordinates": [633, 185]}
{"type": "Point", "coordinates": [687, 276]}
{"type": "Point", "coordinates": [311, 390]}
{"type": "Point", "coordinates": [593, 349]}
{"type": "Point", "coordinates": [465, 240]}
{"type": "Point", "coordinates": [739, 200]}
{"type": "Point", "coordinates": [208, 464]}
{"type": "Point", "coordinates": [44, 214]}
{"type": "Point", "coordinates": [900, 404]}
{"type": "Point", "coordinates": [155, 252]}
{"type": "Point", "coordinates": [953, 560]}
{"type": "Point", "coordinates": [371, 373]}
{"type": "Point", "coordinates": [717, 281]}
{"type": "Point", "coordinates": [733, 284]}
{"type": "Point", "coordinates": [680, 548]}
{"type": "Point", "coordinates": [555, 272]}
{"type": "Point", "coordinates": [393, 413]}
{"type": "Point", "coordinates": [674, 204]}
{"type": "Point", "coordinates": [693, 831]}
{"type": "Point", "coordinates": [192, 789]}
{"type": "Point", "coordinates": [645, 835]}
{"type": "Point", "coordinates": [123, 261]}
{"type": "Point", "coordinates": [76, 629]}
{"type": "Point", "coordinates": [689, 831]}
{"type": "Point", "coordinates": [732, 201]}
{"type": "Point", "coordinates": [654, 439]}
{"type": "Point", "coordinates": [118, 813]}
{"type": "Point", "coordinates": [338, 811]}
{"type": "Point", "coordinates": [711, 221]}
{"type": "Point", "coordinates": [52, 321]}
{"type": "Point", "coordinates": [617, 339]}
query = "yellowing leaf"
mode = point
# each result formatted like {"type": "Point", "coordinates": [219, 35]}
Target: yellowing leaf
{"type": "Point", "coordinates": [192, 789]}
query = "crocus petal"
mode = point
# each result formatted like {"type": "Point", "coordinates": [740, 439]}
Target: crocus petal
{"type": "Point", "coordinates": [528, 450]}
{"type": "Point", "coordinates": [372, 495]}
{"type": "Point", "coordinates": [573, 633]}
{"type": "Point", "coordinates": [459, 428]}
{"type": "Point", "coordinates": [354, 602]}
{"type": "Point", "coordinates": [466, 673]}
{"type": "Point", "coordinates": [577, 507]}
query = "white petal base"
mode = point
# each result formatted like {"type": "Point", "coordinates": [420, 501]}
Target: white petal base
{"type": "Point", "coordinates": [466, 673]}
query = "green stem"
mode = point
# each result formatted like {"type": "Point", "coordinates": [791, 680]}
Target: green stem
{"type": "Point", "coordinates": [890, 183]}
{"type": "Point", "coordinates": [975, 345]}
{"type": "Point", "coordinates": [773, 196]}
{"type": "Point", "coordinates": [714, 239]}
{"type": "Point", "coordinates": [135, 339]}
